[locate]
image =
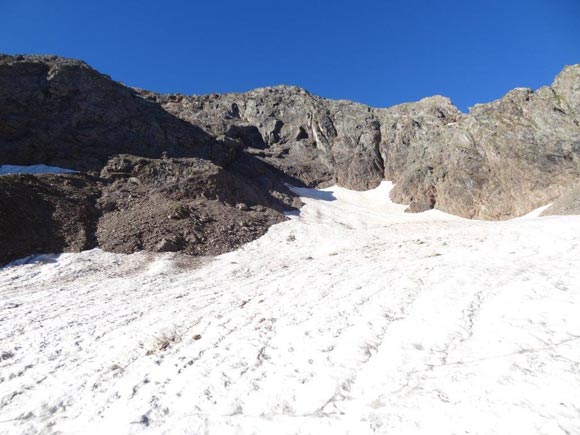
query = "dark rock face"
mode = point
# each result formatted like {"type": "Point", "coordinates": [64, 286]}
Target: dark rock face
{"type": "Point", "coordinates": [62, 112]}
{"type": "Point", "coordinates": [567, 204]}
{"type": "Point", "coordinates": [204, 174]}
{"type": "Point", "coordinates": [47, 214]}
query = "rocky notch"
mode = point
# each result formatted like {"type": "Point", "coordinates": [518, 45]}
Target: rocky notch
{"type": "Point", "coordinates": [63, 113]}
{"type": "Point", "coordinates": [318, 141]}
{"type": "Point", "coordinates": [501, 160]}
{"type": "Point", "coordinates": [46, 214]}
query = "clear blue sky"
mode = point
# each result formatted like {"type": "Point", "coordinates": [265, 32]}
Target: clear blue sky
{"type": "Point", "coordinates": [376, 52]}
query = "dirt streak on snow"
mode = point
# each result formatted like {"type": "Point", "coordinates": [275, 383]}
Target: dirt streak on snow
{"type": "Point", "coordinates": [352, 317]}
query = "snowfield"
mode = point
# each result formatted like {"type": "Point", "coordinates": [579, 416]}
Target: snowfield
{"type": "Point", "coordinates": [352, 317]}
{"type": "Point", "coordinates": [33, 169]}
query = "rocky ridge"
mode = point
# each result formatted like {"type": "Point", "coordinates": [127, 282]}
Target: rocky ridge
{"type": "Point", "coordinates": [204, 174]}
{"type": "Point", "coordinates": [501, 160]}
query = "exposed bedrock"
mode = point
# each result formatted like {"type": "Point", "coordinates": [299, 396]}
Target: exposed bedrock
{"type": "Point", "coordinates": [501, 160]}
{"type": "Point", "coordinates": [189, 205]}
{"type": "Point", "coordinates": [163, 205]}
{"type": "Point", "coordinates": [204, 174]}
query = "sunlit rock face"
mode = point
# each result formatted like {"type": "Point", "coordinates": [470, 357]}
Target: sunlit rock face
{"type": "Point", "coordinates": [501, 160]}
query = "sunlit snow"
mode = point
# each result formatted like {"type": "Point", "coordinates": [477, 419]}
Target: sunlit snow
{"type": "Point", "coordinates": [352, 317]}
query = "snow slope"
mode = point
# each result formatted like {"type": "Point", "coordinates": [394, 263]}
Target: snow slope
{"type": "Point", "coordinates": [352, 317]}
{"type": "Point", "coordinates": [33, 169]}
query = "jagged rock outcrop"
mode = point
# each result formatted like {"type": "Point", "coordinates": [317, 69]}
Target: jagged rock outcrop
{"type": "Point", "coordinates": [315, 140]}
{"type": "Point", "coordinates": [203, 174]}
{"type": "Point", "coordinates": [182, 189]}
{"type": "Point", "coordinates": [63, 113]}
{"type": "Point", "coordinates": [188, 205]}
